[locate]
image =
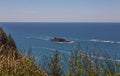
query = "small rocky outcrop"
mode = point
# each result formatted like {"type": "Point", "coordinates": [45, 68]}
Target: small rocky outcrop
{"type": "Point", "coordinates": [55, 39]}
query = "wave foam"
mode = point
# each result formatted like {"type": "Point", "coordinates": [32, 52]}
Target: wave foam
{"type": "Point", "coordinates": [52, 49]}
{"type": "Point", "coordinates": [47, 38]}
{"type": "Point", "coordinates": [105, 41]}
{"type": "Point", "coordinates": [39, 38]}
{"type": "Point", "coordinates": [65, 42]}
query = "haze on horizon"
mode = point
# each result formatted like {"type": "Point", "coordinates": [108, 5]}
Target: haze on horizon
{"type": "Point", "coordinates": [59, 10]}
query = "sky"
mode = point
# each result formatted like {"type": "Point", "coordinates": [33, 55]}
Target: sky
{"type": "Point", "coordinates": [59, 10]}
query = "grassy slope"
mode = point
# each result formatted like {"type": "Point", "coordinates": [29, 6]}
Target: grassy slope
{"type": "Point", "coordinates": [12, 63]}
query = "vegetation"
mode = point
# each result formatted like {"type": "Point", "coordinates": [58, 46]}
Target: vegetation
{"type": "Point", "coordinates": [78, 63]}
{"type": "Point", "coordinates": [83, 64]}
{"type": "Point", "coordinates": [12, 63]}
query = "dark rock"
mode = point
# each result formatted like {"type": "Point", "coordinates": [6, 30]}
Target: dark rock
{"type": "Point", "coordinates": [55, 39]}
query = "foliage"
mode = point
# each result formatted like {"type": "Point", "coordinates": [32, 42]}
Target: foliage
{"type": "Point", "coordinates": [54, 65]}
{"type": "Point", "coordinates": [12, 63]}
{"type": "Point", "coordinates": [82, 63]}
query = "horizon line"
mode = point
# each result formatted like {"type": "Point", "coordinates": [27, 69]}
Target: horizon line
{"type": "Point", "coordinates": [52, 22]}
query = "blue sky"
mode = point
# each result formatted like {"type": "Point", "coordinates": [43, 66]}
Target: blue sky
{"type": "Point", "coordinates": [59, 10]}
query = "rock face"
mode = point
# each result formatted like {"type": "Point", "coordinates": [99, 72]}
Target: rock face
{"type": "Point", "coordinates": [6, 40]}
{"type": "Point", "coordinates": [55, 39]}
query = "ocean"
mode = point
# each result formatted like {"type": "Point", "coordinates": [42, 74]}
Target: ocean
{"type": "Point", "coordinates": [36, 36]}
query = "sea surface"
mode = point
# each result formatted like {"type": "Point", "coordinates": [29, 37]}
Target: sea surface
{"type": "Point", "coordinates": [36, 36]}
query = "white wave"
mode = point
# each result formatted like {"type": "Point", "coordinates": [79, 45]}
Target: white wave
{"type": "Point", "coordinates": [52, 49]}
{"type": "Point", "coordinates": [65, 42]}
{"type": "Point", "coordinates": [39, 38]}
{"type": "Point", "coordinates": [47, 38]}
{"type": "Point", "coordinates": [94, 40]}
{"type": "Point", "coordinates": [118, 42]}
{"type": "Point", "coordinates": [44, 38]}
{"type": "Point", "coordinates": [101, 58]}
{"type": "Point", "coordinates": [71, 41]}
{"type": "Point", "coordinates": [105, 41]}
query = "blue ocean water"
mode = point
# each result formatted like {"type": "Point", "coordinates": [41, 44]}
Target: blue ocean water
{"type": "Point", "coordinates": [37, 36]}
